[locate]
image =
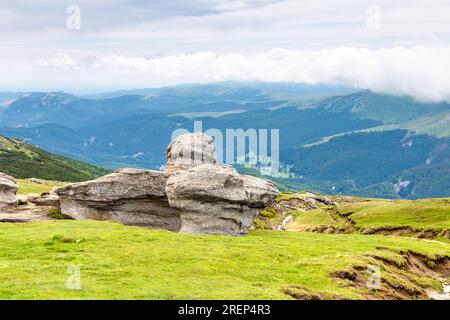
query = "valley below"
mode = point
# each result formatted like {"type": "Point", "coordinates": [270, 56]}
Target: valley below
{"type": "Point", "coordinates": [332, 139]}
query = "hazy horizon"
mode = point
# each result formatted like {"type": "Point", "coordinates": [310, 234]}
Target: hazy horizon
{"type": "Point", "coordinates": [400, 48]}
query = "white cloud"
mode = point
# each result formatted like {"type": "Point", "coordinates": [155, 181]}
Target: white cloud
{"type": "Point", "coordinates": [58, 61]}
{"type": "Point", "coordinates": [134, 27]}
{"type": "Point", "coordinates": [421, 72]}
{"type": "Point", "coordinates": [135, 43]}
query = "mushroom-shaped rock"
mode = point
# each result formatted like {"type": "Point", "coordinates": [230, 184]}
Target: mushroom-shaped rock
{"type": "Point", "coordinates": [8, 191]}
{"type": "Point", "coordinates": [131, 196]}
{"type": "Point", "coordinates": [190, 150]}
{"type": "Point", "coordinates": [215, 199]}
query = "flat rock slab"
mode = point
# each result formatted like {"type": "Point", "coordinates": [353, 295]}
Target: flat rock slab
{"type": "Point", "coordinates": [130, 196]}
{"type": "Point", "coordinates": [120, 185]}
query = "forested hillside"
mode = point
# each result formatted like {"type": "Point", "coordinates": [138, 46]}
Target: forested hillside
{"type": "Point", "coordinates": [22, 160]}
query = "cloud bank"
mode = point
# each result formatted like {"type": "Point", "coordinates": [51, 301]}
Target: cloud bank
{"type": "Point", "coordinates": [420, 72]}
{"type": "Point", "coordinates": [399, 48]}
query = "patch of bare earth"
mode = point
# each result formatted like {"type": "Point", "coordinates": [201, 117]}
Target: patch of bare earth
{"type": "Point", "coordinates": [400, 281]}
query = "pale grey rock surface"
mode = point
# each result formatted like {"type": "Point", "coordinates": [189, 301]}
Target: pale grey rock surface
{"type": "Point", "coordinates": [122, 184]}
{"type": "Point", "coordinates": [215, 199]}
{"type": "Point", "coordinates": [8, 192]}
{"type": "Point", "coordinates": [130, 196]}
{"type": "Point", "coordinates": [190, 150]}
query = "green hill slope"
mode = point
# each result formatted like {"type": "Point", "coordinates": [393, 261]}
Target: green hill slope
{"type": "Point", "coordinates": [385, 108]}
{"type": "Point", "coordinates": [23, 160]}
{"type": "Point", "coordinates": [424, 218]}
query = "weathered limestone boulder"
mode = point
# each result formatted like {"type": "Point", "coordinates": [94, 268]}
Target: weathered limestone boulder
{"type": "Point", "coordinates": [47, 199]}
{"type": "Point", "coordinates": [190, 150]}
{"type": "Point", "coordinates": [8, 190]}
{"type": "Point", "coordinates": [193, 195]}
{"type": "Point", "coordinates": [130, 196]}
{"type": "Point", "coordinates": [215, 199]}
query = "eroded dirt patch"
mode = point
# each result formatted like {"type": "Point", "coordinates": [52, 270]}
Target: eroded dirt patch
{"type": "Point", "coordinates": [399, 281]}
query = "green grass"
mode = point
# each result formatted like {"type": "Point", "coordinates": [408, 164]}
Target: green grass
{"type": "Point", "coordinates": [367, 214]}
{"type": "Point", "coordinates": [27, 187]}
{"type": "Point", "coordinates": [420, 214]}
{"type": "Point", "coordinates": [120, 262]}
{"type": "Point", "coordinates": [313, 218]}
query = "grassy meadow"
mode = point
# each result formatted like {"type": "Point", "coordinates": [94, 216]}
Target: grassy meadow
{"type": "Point", "coordinates": [123, 262]}
{"type": "Point", "coordinates": [361, 215]}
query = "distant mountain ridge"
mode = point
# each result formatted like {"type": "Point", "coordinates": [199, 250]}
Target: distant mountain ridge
{"type": "Point", "coordinates": [333, 141]}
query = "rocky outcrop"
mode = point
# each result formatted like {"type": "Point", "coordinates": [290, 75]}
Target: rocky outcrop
{"type": "Point", "coordinates": [194, 194]}
{"type": "Point", "coordinates": [190, 150]}
{"type": "Point", "coordinates": [215, 199]}
{"type": "Point", "coordinates": [8, 190]}
{"type": "Point", "coordinates": [130, 196]}
{"type": "Point", "coordinates": [37, 181]}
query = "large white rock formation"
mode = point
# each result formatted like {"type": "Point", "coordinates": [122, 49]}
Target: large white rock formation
{"type": "Point", "coordinates": [194, 194]}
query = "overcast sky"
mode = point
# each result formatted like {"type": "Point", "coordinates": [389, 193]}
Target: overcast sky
{"type": "Point", "coordinates": [400, 46]}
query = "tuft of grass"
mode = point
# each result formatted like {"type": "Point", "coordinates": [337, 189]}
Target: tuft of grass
{"type": "Point", "coordinates": [431, 264]}
{"type": "Point", "coordinates": [285, 196]}
{"type": "Point", "coordinates": [55, 213]}
{"type": "Point", "coordinates": [261, 224]}
{"type": "Point", "coordinates": [66, 239]}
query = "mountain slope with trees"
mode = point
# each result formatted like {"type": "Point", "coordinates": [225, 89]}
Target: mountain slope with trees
{"type": "Point", "coordinates": [23, 160]}
{"type": "Point", "coordinates": [348, 142]}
